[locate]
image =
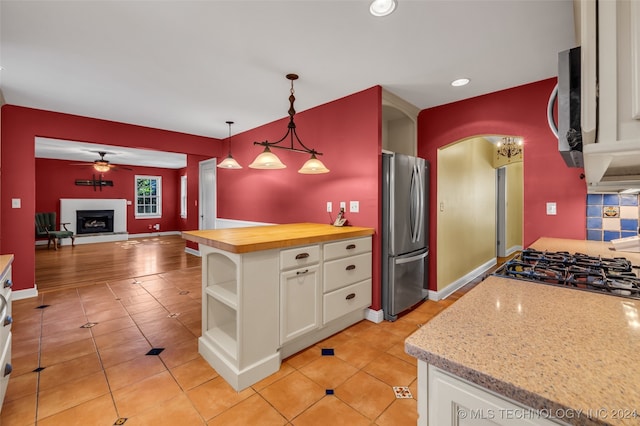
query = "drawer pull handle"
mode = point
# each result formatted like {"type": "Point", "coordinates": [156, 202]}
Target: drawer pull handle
{"type": "Point", "coordinates": [350, 267]}
{"type": "Point", "coordinates": [350, 296]}
{"type": "Point", "coordinates": [351, 246]}
{"type": "Point", "coordinates": [8, 320]}
{"type": "Point", "coordinates": [7, 369]}
{"type": "Point", "coordinates": [302, 272]}
{"type": "Point", "coordinates": [302, 256]}
{"type": "Point", "coordinates": [8, 284]}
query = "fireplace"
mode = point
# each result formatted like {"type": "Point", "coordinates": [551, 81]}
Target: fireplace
{"type": "Point", "coordinates": [94, 221]}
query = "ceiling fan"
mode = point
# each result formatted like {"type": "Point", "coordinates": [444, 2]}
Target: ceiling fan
{"type": "Point", "coordinates": [101, 165]}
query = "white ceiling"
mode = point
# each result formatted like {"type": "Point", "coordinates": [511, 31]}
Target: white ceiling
{"type": "Point", "coordinates": [189, 66]}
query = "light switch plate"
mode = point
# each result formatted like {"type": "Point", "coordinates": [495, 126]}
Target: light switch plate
{"type": "Point", "coordinates": [551, 209]}
{"type": "Point", "coordinates": [16, 203]}
{"type": "Point", "coordinates": [329, 206]}
{"type": "Point", "coordinates": [354, 206]}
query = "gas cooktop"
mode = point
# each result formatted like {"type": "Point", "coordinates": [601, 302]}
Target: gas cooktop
{"type": "Point", "coordinates": [616, 276]}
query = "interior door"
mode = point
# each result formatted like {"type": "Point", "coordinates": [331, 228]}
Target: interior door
{"type": "Point", "coordinates": [207, 194]}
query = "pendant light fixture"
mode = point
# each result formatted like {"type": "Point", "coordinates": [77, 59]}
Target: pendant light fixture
{"type": "Point", "coordinates": [229, 162]}
{"type": "Point", "coordinates": [268, 160]}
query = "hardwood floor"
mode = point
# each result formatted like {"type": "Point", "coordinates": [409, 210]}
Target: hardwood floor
{"type": "Point", "coordinates": [88, 264]}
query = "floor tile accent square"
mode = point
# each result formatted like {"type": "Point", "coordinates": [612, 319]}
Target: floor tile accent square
{"type": "Point", "coordinates": [155, 351]}
{"type": "Point", "coordinates": [402, 392]}
{"type": "Point", "coordinates": [327, 352]}
{"type": "Point", "coordinates": [328, 392]}
{"type": "Point", "coordinates": [39, 369]}
{"type": "Point", "coordinates": [89, 325]}
{"type": "Point", "coordinates": [120, 421]}
{"type": "Point", "coordinates": [174, 315]}
{"type": "Point", "coordinates": [42, 306]}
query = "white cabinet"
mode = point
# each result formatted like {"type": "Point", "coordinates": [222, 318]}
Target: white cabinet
{"type": "Point", "coordinates": [610, 48]}
{"type": "Point", "coordinates": [5, 325]}
{"type": "Point", "coordinates": [240, 314]}
{"type": "Point", "coordinates": [262, 306]}
{"type": "Point", "coordinates": [447, 400]}
{"type": "Point", "coordinates": [300, 295]}
{"type": "Point", "coordinates": [346, 277]}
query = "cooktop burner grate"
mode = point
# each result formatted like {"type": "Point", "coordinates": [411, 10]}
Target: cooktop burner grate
{"type": "Point", "coordinates": [615, 276]}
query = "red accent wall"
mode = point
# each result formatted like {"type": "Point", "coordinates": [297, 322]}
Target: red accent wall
{"type": "Point", "coordinates": [19, 128]}
{"type": "Point", "coordinates": [348, 133]}
{"type": "Point", "coordinates": [520, 111]}
{"type": "Point", "coordinates": [55, 179]}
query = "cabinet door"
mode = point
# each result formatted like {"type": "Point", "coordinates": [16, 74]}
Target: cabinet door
{"type": "Point", "coordinates": [299, 302]}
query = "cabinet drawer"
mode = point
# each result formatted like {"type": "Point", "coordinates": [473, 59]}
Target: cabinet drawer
{"type": "Point", "coordinates": [5, 320]}
{"type": "Point", "coordinates": [342, 272]}
{"type": "Point", "coordinates": [347, 248]}
{"type": "Point", "coordinates": [346, 300]}
{"type": "Point", "coordinates": [299, 256]}
{"type": "Point", "coordinates": [5, 285]}
{"type": "Point", "coordinates": [5, 367]}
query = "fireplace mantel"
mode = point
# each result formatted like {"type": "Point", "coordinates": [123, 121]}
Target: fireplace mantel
{"type": "Point", "coordinates": [68, 207]}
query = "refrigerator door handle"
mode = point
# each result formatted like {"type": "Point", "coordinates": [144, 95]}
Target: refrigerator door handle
{"type": "Point", "coordinates": [402, 260]}
{"type": "Point", "coordinates": [414, 212]}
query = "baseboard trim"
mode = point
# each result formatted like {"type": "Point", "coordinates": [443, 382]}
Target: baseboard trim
{"type": "Point", "coordinates": [24, 294]}
{"type": "Point", "coordinates": [194, 252]}
{"type": "Point", "coordinates": [461, 282]}
{"type": "Point", "coordinates": [374, 316]}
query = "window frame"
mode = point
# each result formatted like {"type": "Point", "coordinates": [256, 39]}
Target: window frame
{"type": "Point", "coordinates": [153, 215]}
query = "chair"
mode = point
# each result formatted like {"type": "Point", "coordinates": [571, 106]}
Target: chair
{"type": "Point", "coordinates": [46, 226]}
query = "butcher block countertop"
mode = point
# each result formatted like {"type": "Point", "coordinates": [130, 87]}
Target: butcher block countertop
{"type": "Point", "coordinates": [544, 346]}
{"type": "Point", "coordinates": [5, 261]}
{"type": "Point", "coordinates": [255, 238]}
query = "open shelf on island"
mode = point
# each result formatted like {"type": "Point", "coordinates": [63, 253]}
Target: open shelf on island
{"type": "Point", "coordinates": [224, 338]}
{"type": "Point", "coordinates": [224, 292]}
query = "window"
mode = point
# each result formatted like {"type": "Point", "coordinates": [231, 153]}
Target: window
{"type": "Point", "coordinates": [183, 197]}
{"type": "Point", "coordinates": [148, 196]}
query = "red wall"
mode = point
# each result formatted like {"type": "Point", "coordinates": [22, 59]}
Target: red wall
{"type": "Point", "coordinates": [19, 128]}
{"type": "Point", "coordinates": [519, 111]}
{"type": "Point", "coordinates": [55, 179]}
{"type": "Point", "coordinates": [347, 132]}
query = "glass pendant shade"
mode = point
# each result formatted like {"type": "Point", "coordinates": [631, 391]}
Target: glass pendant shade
{"type": "Point", "coordinates": [229, 163]}
{"type": "Point", "coordinates": [313, 166]}
{"type": "Point", "coordinates": [267, 161]}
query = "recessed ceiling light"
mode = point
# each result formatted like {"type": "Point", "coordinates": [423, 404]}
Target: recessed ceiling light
{"type": "Point", "coordinates": [460, 82]}
{"type": "Point", "coordinates": [382, 7]}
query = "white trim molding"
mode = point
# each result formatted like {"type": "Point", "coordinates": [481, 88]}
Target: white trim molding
{"type": "Point", "coordinates": [462, 281]}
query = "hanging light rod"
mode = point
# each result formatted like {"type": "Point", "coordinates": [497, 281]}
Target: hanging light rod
{"type": "Point", "coordinates": [268, 160]}
{"type": "Point", "coordinates": [229, 162]}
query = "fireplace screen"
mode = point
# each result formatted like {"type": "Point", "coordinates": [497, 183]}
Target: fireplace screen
{"type": "Point", "coordinates": [94, 221]}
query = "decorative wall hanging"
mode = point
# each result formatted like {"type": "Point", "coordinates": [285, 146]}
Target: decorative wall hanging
{"type": "Point", "coordinates": [96, 183]}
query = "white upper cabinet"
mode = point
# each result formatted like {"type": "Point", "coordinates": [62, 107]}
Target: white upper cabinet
{"type": "Point", "coordinates": [399, 125]}
{"type": "Point", "coordinates": [610, 42]}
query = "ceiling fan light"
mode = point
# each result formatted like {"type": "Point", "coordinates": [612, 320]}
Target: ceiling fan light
{"type": "Point", "coordinates": [101, 167]}
{"type": "Point", "coordinates": [267, 160]}
{"type": "Point", "coordinates": [313, 166]}
{"type": "Point", "coordinates": [229, 163]}
{"type": "Point", "coordinates": [382, 7]}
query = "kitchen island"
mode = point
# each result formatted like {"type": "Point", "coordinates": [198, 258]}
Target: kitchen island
{"type": "Point", "coordinates": [515, 352]}
{"type": "Point", "coordinates": [271, 291]}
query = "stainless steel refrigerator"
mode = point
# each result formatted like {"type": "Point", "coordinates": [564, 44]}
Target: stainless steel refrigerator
{"type": "Point", "coordinates": [405, 232]}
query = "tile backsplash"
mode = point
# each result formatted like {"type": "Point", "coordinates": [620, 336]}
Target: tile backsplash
{"type": "Point", "coordinates": [611, 216]}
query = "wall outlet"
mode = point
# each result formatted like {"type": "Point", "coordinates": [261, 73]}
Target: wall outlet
{"type": "Point", "coordinates": [343, 205]}
{"type": "Point", "coordinates": [329, 206]}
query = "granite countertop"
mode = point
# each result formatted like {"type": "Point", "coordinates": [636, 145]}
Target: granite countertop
{"type": "Point", "coordinates": [545, 346]}
{"type": "Point", "coordinates": [255, 238]}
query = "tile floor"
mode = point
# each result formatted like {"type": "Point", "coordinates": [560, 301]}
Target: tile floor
{"type": "Point", "coordinates": [79, 358]}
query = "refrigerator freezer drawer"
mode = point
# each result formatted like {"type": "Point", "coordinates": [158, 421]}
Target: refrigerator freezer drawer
{"type": "Point", "coordinates": [406, 283]}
